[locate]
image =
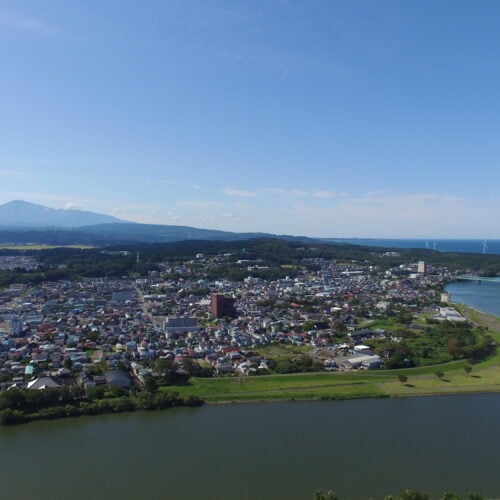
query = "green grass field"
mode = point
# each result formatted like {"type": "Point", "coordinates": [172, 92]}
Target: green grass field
{"type": "Point", "coordinates": [485, 377]}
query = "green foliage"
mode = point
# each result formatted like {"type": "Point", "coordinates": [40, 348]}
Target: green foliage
{"type": "Point", "coordinates": [299, 364]}
{"type": "Point", "coordinates": [437, 344]}
{"type": "Point", "coordinates": [96, 392]}
{"type": "Point", "coordinates": [413, 495]}
{"type": "Point", "coordinates": [449, 496]}
{"type": "Point", "coordinates": [329, 495]}
{"type": "Point", "coordinates": [20, 405]}
{"type": "Point", "coordinates": [405, 495]}
{"type": "Point", "coordinates": [11, 417]}
{"type": "Point", "coordinates": [150, 384]}
{"type": "Point", "coordinates": [273, 253]}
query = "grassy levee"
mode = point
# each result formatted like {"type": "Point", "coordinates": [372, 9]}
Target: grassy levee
{"type": "Point", "coordinates": [484, 377]}
{"type": "Point", "coordinates": [275, 387]}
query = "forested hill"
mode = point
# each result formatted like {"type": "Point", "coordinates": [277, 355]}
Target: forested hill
{"type": "Point", "coordinates": [124, 233]}
{"type": "Point", "coordinates": [280, 257]}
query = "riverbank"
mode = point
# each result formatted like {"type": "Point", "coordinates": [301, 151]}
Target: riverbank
{"type": "Point", "coordinates": [20, 406]}
{"type": "Point", "coordinates": [421, 381]}
{"type": "Point", "coordinates": [445, 379]}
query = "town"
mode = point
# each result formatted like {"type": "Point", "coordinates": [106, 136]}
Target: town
{"type": "Point", "coordinates": [176, 323]}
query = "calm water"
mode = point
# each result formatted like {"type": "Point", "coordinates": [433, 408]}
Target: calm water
{"type": "Point", "coordinates": [360, 448]}
{"type": "Point", "coordinates": [484, 296]}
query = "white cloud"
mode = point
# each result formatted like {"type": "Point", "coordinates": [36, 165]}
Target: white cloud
{"type": "Point", "coordinates": [238, 193]}
{"type": "Point", "coordinates": [374, 214]}
{"type": "Point", "coordinates": [164, 182]}
{"type": "Point", "coordinates": [298, 192]}
{"type": "Point", "coordinates": [72, 205]}
{"type": "Point", "coordinates": [200, 205]}
{"type": "Point", "coordinates": [322, 193]}
{"type": "Point", "coordinates": [29, 24]}
{"type": "Point", "coordinates": [292, 193]}
{"type": "Point", "coordinates": [53, 200]}
{"type": "Point", "coordinates": [398, 215]}
{"type": "Point", "coordinates": [13, 174]}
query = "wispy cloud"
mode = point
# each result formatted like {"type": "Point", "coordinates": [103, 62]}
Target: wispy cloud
{"type": "Point", "coordinates": [72, 205]}
{"type": "Point", "coordinates": [162, 182]}
{"type": "Point", "coordinates": [52, 200]}
{"type": "Point", "coordinates": [200, 205]}
{"type": "Point", "coordinates": [10, 173]}
{"type": "Point", "coordinates": [238, 193]}
{"type": "Point", "coordinates": [298, 192]}
{"type": "Point", "coordinates": [385, 214]}
{"type": "Point", "coordinates": [284, 192]}
{"type": "Point", "coordinates": [26, 24]}
{"type": "Point", "coordinates": [322, 193]}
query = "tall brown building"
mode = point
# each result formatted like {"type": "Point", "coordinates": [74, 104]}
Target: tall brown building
{"type": "Point", "coordinates": [221, 306]}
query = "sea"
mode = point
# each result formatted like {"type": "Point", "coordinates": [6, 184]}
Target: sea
{"type": "Point", "coordinates": [442, 245]}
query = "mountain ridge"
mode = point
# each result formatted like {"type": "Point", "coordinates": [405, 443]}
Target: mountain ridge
{"type": "Point", "coordinates": [112, 231]}
{"type": "Point", "coordinates": [24, 214]}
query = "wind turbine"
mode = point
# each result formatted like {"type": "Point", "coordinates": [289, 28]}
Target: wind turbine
{"type": "Point", "coordinates": [485, 246]}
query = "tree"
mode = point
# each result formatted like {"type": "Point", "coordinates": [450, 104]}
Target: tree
{"type": "Point", "coordinates": [150, 384]}
{"type": "Point", "coordinates": [329, 495]}
{"type": "Point", "coordinates": [413, 495]}
{"type": "Point", "coordinates": [403, 378]}
{"type": "Point", "coordinates": [11, 417]}
{"type": "Point", "coordinates": [468, 369]}
{"type": "Point", "coordinates": [96, 392]}
{"type": "Point", "coordinates": [439, 375]}
{"type": "Point", "coordinates": [449, 496]}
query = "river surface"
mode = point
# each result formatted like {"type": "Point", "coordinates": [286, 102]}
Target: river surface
{"type": "Point", "coordinates": [484, 296]}
{"type": "Point", "coordinates": [359, 448]}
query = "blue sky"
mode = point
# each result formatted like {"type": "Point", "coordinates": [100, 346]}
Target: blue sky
{"type": "Point", "coordinates": [321, 118]}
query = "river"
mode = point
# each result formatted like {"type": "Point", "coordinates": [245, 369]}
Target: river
{"type": "Point", "coordinates": [359, 448]}
{"type": "Point", "coordinates": [484, 296]}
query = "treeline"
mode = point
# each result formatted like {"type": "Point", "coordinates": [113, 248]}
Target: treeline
{"type": "Point", "coordinates": [299, 364]}
{"type": "Point", "coordinates": [437, 343]}
{"type": "Point", "coordinates": [19, 406]}
{"type": "Point", "coordinates": [72, 263]}
{"type": "Point", "coordinates": [405, 495]}
{"type": "Point", "coordinates": [52, 237]}
{"type": "Point", "coordinates": [276, 252]}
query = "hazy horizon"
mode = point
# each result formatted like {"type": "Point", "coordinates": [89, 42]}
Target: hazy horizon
{"type": "Point", "coordinates": [326, 119]}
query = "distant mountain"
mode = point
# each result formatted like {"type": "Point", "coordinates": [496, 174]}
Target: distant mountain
{"type": "Point", "coordinates": [155, 233]}
{"type": "Point", "coordinates": [125, 233]}
{"type": "Point", "coordinates": [21, 214]}
{"type": "Point", "coordinates": [22, 223]}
